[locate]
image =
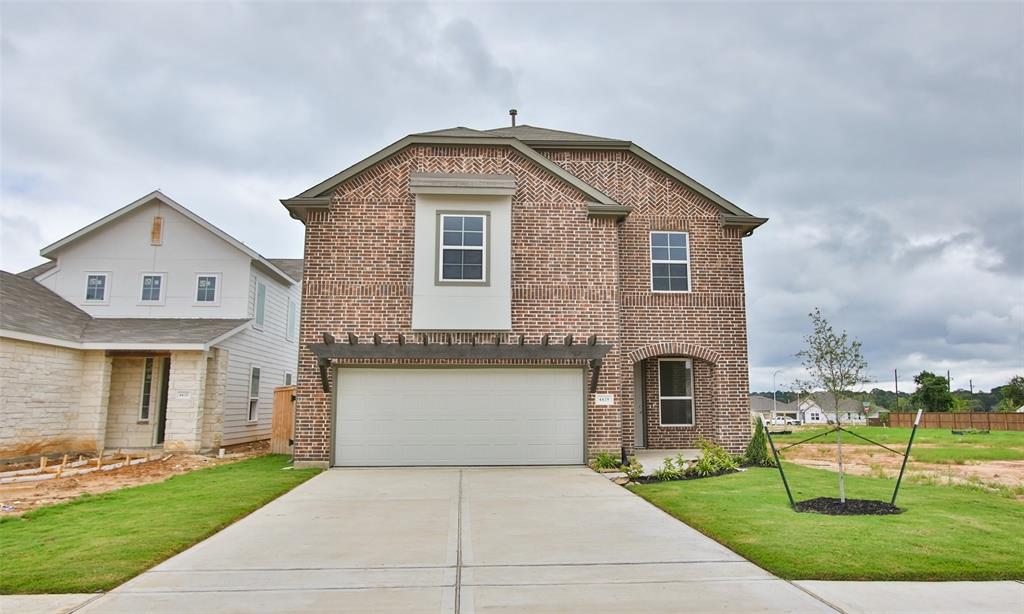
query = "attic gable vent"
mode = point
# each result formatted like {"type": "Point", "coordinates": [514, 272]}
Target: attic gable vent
{"type": "Point", "coordinates": [156, 233]}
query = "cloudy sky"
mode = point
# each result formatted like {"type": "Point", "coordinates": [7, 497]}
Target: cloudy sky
{"type": "Point", "coordinates": [885, 142]}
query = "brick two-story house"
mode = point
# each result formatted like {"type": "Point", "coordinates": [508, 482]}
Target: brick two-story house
{"type": "Point", "coordinates": [517, 296]}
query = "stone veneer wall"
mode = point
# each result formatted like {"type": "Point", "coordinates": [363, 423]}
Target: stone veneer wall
{"type": "Point", "coordinates": [186, 396]}
{"type": "Point", "coordinates": [52, 399]}
{"type": "Point", "coordinates": [216, 386]}
{"type": "Point", "coordinates": [124, 429]}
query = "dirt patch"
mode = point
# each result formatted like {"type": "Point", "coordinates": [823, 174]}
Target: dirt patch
{"type": "Point", "coordinates": [17, 498]}
{"type": "Point", "coordinates": [852, 507]}
{"type": "Point", "coordinates": [874, 461]}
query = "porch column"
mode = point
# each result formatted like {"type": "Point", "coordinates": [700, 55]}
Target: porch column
{"type": "Point", "coordinates": [186, 395]}
{"type": "Point", "coordinates": [213, 410]}
{"type": "Point", "coordinates": [94, 398]}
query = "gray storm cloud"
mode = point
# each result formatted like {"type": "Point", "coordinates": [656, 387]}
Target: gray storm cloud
{"type": "Point", "coordinates": [885, 142]}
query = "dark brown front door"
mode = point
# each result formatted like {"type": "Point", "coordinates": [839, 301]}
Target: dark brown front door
{"type": "Point", "coordinates": [161, 419]}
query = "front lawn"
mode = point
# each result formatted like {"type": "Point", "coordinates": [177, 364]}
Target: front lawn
{"type": "Point", "coordinates": [946, 533]}
{"type": "Point", "coordinates": [930, 445]}
{"type": "Point", "coordinates": [99, 541]}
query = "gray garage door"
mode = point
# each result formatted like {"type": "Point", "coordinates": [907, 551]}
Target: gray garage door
{"type": "Point", "coordinates": [510, 416]}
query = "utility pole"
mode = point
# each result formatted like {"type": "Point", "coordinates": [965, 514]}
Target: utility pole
{"type": "Point", "coordinates": [949, 382]}
{"type": "Point", "coordinates": [896, 380]}
{"type": "Point", "coordinates": [775, 388]}
{"type": "Point", "coordinates": [971, 383]}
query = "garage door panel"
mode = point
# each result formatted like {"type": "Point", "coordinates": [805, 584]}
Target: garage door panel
{"type": "Point", "coordinates": [459, 416]}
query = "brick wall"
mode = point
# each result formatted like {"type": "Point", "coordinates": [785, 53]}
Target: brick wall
{"type": "Point", "coordinates": [570, 274]}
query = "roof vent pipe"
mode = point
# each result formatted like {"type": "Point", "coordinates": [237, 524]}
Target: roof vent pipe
{"type": "Point", "coordinates": [513, 113]}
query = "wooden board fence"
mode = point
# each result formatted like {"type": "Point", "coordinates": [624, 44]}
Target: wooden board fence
{"type": "Point", "coordinates": [283, 425]}
{"type": "Point", "coordinates": [980, 420]}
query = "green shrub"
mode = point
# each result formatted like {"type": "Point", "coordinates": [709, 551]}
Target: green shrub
{"type": "Point", "coordinates": [669, 470]}
{"type": "Point", "coordinates": [604, 460]}
{"type": "Point", "coordinates": [633, 470]}
{"type": "Point", "coordinates": [757, 454]}
{"type": "Point", "coordinates": [712, 461]}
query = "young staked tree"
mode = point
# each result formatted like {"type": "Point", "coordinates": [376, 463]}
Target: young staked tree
{"type": "Point", "coordinates": [834, 364]}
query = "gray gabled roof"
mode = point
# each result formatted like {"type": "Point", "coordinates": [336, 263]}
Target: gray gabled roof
{"type": "Point", "coordinates": [156, 331]}
{"type": "Point", "coordinates": [527, 140]}
{"type": "Point", "coordinates": [38, 270]}
{"type": "Point", "coordinates": [31, 311]}
{"type": "Point", "coordinates": [26, 306]}
{"type": "Point", "coordinates": [537, 134]}
{"type": "Point", "coordinates": [291, 266]}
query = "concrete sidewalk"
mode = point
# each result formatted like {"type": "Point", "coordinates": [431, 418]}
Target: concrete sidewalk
{"type": "Point", "coordinates": [543, 539]}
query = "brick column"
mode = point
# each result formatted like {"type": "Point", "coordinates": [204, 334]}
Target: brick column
{"type": "Point", "coordinates": [186, 395]}
{"type": "Point", "coordinates": [94, 397]}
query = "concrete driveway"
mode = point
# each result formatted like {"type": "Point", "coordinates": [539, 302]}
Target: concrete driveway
{"type": "Point", "coordinates": [545, 539]}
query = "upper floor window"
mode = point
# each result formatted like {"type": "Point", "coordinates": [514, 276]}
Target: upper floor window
{"type": "Point", "coordinates": [261, 303]}
{"type": "Point", "coordinates": [463, 248]}
{"type": "Point", "coordinates": [152, 288]}
{"type": "Point", "coordinates": [207, 288]}
{"type": "Point", "coordinates": [670, 262]}
{"type": "Point", "coordinates": [293, 321]}
{"type": "Point", "coordinates": [96, 287]}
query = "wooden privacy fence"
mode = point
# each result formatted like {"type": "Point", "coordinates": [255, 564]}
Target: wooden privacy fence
{"type": "Point", "coordinates": [283, 425]}
{"type": "Point", "coordinates": [981, 420]}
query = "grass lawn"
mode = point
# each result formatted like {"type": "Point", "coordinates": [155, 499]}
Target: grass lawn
{"type": "Point", "coordinates": [946, 532]}
{"type": "Point", "coordinates": [99, 541]}
{"type": "Point", "coordinates": [930, 445]}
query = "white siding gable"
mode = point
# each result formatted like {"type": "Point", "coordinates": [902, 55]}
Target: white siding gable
{"type": "Point", "coordinates": [123, 249]}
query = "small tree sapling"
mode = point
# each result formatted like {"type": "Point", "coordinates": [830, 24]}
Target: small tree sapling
{"type": "Point", "coordinates": [834, 363]}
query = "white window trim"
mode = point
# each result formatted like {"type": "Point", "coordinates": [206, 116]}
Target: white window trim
{"type": "Point", "coordinates": [252, 413]}
{"type": "Point", "coordinates": [256, 305]}
{"type": "Point", "coordinates": [287, 375]}
{"type": "Point", "coordinates": [163, 287]}
{"type": "Point", "coordinates": [142, 390]}
{"type": "Point", "coordinates": [689, 269]}
{"type": "Point", "coordinates": [482, 248]}
{"type": "Point", "coordinates": [106, 288]}
{"type": "Point", "coordinates": [693, 401]}
{"type": "Point", "coordinates": [289, 326]}
{"type": "Point", "coordinates": [216, 291]}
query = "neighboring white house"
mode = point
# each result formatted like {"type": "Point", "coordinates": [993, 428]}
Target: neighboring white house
{"type": "Point", "coordinates": [772, 408]}
{"type": "Point", "coordinates": [818, 408]}
{"type": "Point", "coordinates": [149, 327]}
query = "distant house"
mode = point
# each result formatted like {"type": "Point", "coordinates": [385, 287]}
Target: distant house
{"type": "Point", "coordinates": [148, 328]}
{"type": "Point", "coordinates": [770, 408]}
{"type": "Point", "coordinates": [818, 408]}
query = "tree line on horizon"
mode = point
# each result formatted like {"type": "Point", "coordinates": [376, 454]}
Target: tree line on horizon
{"type": "Point", "coordinates": [932, 394]}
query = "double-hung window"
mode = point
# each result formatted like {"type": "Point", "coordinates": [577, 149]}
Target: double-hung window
{"type": "Point", "coordinates": [675, 391]}
{"type": "Point", "coordinates": [147, 390]}
{"type": "Point", "coordinates": [293, 321]}
{"type": "Point", "coordinates": [207, 288]}
{"type": "Point", "coordinates": [261, 303]}
{"type": "Point", "coordinates": [463, 248]}
{"type": "Point", "coordinates": [254, 393]}
{"type": "Point", "coordinates": [670, 262]}
{"type": "Point", "coordinates": [96, 287]}
{"type": "Point", "coordinates": [152, 288]}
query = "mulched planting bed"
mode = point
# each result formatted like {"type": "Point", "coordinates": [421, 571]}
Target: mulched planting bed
{"type": "Point", "coordinates": [852, 507]}
{"type": "Point", "coordinates": [647, 479]}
